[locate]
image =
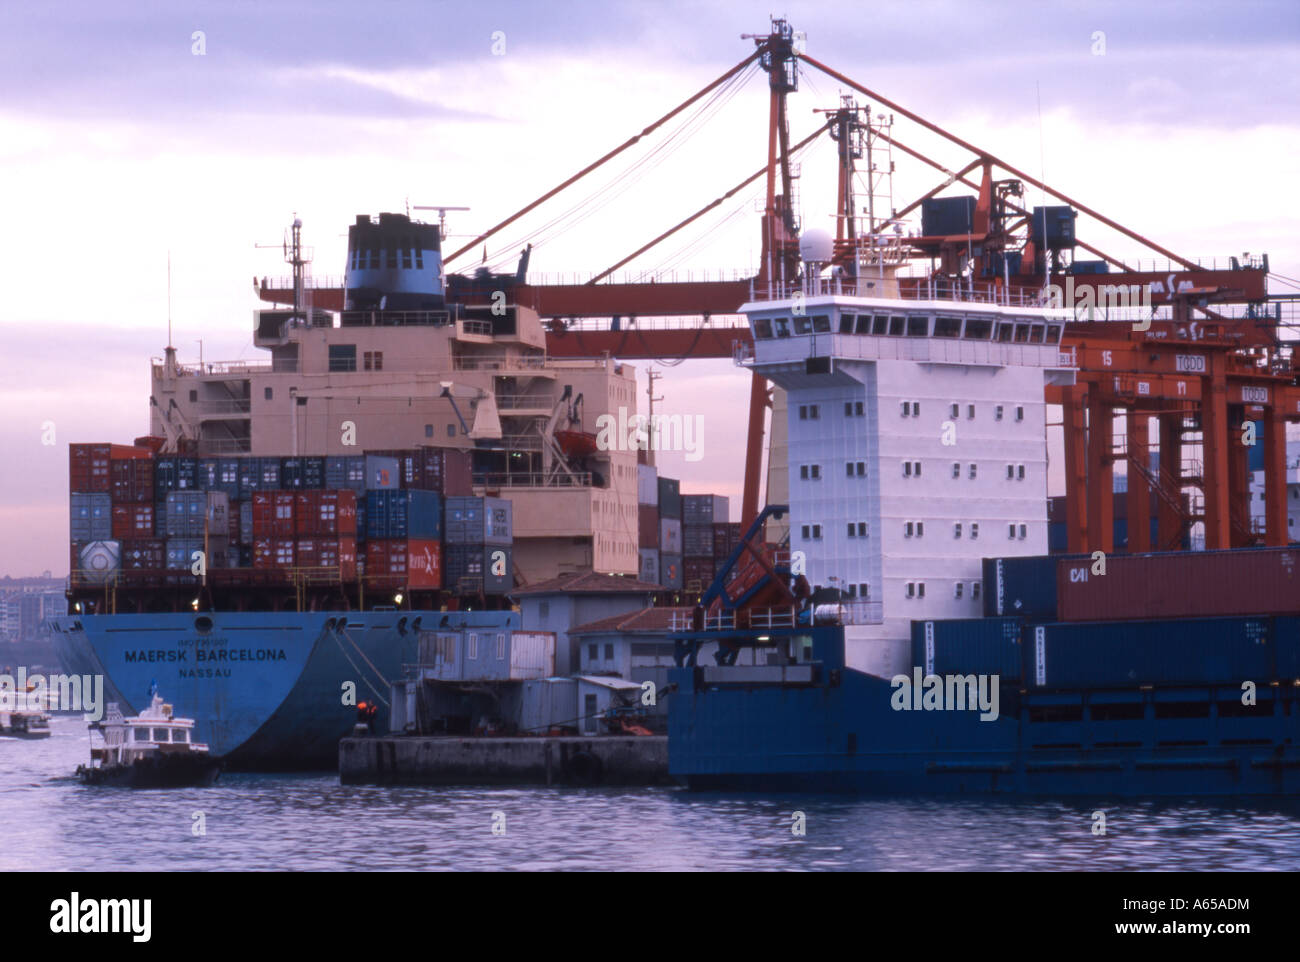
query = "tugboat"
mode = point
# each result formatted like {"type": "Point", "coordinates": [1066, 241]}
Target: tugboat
{"type": "Point", "coordinates": [152, 750]}
{"type": "Point", "coordinates": [24, 724]}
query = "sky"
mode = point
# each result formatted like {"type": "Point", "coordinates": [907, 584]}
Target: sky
{"type": "Point", "coordinates": [134, 131]}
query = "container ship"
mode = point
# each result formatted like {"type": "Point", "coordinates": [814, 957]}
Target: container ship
{"type": "Point", "coordinates": [910, 632]}
{"type": "Point", "coordinates": [288, 533]}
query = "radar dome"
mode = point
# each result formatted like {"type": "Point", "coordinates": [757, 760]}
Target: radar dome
{"type": "Point", "coordinates": [816, 246]}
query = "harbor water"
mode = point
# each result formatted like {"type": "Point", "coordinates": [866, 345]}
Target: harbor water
{"type": "Point", "coordinates": [49, 821]}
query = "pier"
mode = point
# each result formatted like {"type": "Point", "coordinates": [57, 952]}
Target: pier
{"type": "Point", "coordinates": [456, 760]}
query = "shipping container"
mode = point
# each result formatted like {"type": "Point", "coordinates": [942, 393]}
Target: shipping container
{"type": "Point", "coordinates": [218, 474]}
{"type": "Point", "coordinates": [182, 553]}
{"type": "Point", "coordinates": [245, 523]}
{"type": "Point", "coordinates": [90, 468]}
{"type": "Point", "coordinates": [91, 517]}
{"type": "Point", "coordinates": [1127, 654]}
{"type": "Point", "coordinates": [274, 552]}
{"type": "Point", "coordinates": [980, 646]}
{"type": "Point", "coordinates": [1193, 584]}
{"type": "Point", "coordinates": [697, 541]}
{"type": "Point", "coordinates": [670, 535]}
{"type": "Point", "coordinates": [1024, 587]}
{"type": "Point", "coordinates": [144, 554]}
{"type": "Point", "coordinates": [670, 570]}
{"type": "Point", "coordinates": [96, 562]}
{"type": "Point", "coordinates": [329, 513]}
{"type": "Point", "coordinates": [547, 703]}
{"type": "Point", "coordinates": [174, 474]}
{"type": "Point", "coordinates": [499, 654]}
{"type": "Point", "coordinates": [330, 555]}
{"type": "Point", "coordinates": [726, 537]}
{"type": "Point", "coordinates": [132, 521]}
{"type": "Point", "coordinates": [697, 573]}
{"type": "Point", "coordinates": [479, 521]}
{"type": "Point", "coordinates": [647, 485]}
{"type": "Point", "coordinates": [670, 498]}
{"type": "Point", "coordinates": [1286, 631]}
{"type": "Point", "coordinates": [382, 473]}
{"type": "Point", "coordinates": [474, 569]}
{"type": "Point", "coordinates": [345, 472]}
{"type": "Point", "coordinates": [191, 514]}
{"type": "Point", "coordinates": [705, 509]}
{"type": "Point", "coordinates": [647, 526]}
{"type": "Point", "coordinates": [403, 514]}
{"type": "Point", "coordinates": [446, 471]}
{"type": "Point", "coordinates": [302, 473]}
{"type": "Point", "coordinates": [131, 480]}
{"type": "Point", "coordinates": [649, 570]}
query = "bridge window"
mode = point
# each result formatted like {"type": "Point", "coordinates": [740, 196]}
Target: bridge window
{"type": "Point", "coordinates": [1036, 333]}
{"type": "Point", "coordinates": [762, 328]}
{"type": "Point", "coordinates": [846, 323]}
{"type": "Point", "coordinates": [880, 324]}
{"type": "Point", "coordinates": [782, 327]}
{"type": "Point", "coordinates": [947, 327]}
{"type": "Point", "coordinates": [918, 326]}
{"type": "Point", "coordinates": [342, 357]}
{"type": "Point", "coordinates": [978, 329]}
{"type": "Point", "coordinates": [1053, 333]}
{"type": "Point", "coordinates": [1022, 334]}
{"type": "Point", "coordinates": [821, 324]}
{"type": "Point", "coordinates": [863, 324]}
{"type": "Point", "coordinates": [897, 324]}
{"type": "Point", "coordinates": [802, 324]}
{"type": "Point", "coordinates": [1005, 331]}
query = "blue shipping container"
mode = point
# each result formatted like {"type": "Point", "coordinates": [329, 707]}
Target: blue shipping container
{"type": "Point", "coordinates": [1126, 654]}
{"type": "Point", "coordinates": [345, 472]}
{"type": "Point", "coordinates": [91, 517]}
{"type": "Point", "coordinates": [404, 514]}
{"type": "Point", "coordinates": [1024, 587]}
{"type": "Point", "coordinates": [980, 646]}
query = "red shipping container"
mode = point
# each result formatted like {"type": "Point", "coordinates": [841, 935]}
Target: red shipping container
{"type": "Point", "coordinates": [282, 522]}
{"type": "Point", "coordinates": [1184, 584]}
{"type": "Point", "coordinates": [129, 452]}
{"type": "Point", "coordinates": [132, 521]}
{"type": "Point", "coordinates": [131, 479]}
{"type": "Point", "coordinates": [309, 552]}
{"type": "Point", "coordinates": [386, 556]}
{"type": "Point", "coordinates": [326, 513]}
{"type": "Point", "coordinates": [263, 514]}
{"type": "Point", "coordinates": [347, 558]}
{"type": "Point", "coordinates": [232, 522]}
{"type": "Point", "coordinates": [424, 563]}
{"type": "Point", "coordinates": [89, 468]}
{"type": "Point", "coordinates": [273, 553]}
{"type": "Point", "coordinates": [648, 525]}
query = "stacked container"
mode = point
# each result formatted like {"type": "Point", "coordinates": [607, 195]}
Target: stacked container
{"type": "Point", "coordinates": [479, 540]}
{"type": "Point", "coordinates": [670, 533]}
{"type": "Point", "coordinates": [702, 515]}
{"type": "Point", "coordinates": [647, 497]}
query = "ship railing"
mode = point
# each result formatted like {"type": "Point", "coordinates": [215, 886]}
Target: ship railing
{"type": "Point", "coordinates": [226, 406]}
{"type": "Point", "coordinates": [781, 616]}
{"type": "Point", "coordinates": [285, 283]}
{"type": "Point", "coordinates": [222, 367]}
{"type": "Point", "coordinates": [927, 291]}
{"type": "Point", "coordinates": [209, 447]}
{"type": "Point", "coordinates": [515, 402]}
{"type": "Point", "coordinates": [395, 319]}
{"type": "Point", "coordinates": [498, 362]}
{"type": "Point", "coordinates": [581, 479]}
{"type": "Point", "coordinates": [675, 322]}
{"type": "Point", "coordinates": [692, 276]}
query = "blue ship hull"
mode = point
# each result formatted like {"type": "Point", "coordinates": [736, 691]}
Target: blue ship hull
{"type": "Point", "coordinates": [838, 731]}
{"type": "Point", "coordinates": [266, 689]}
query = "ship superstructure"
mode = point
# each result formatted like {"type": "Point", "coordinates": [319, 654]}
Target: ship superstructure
{"type": "Point", "coordinates": [915, 445]}
{"type": "Point", "coordinates": [403, 365]}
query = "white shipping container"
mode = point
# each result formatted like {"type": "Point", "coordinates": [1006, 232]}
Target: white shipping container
{"type": "Point", "coordinates": [647, 484]}
{"type": "Point", "coordinates": [532, 654]}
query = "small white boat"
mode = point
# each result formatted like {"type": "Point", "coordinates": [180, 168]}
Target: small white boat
{"type": "Point", "coordinates": [154, 749]}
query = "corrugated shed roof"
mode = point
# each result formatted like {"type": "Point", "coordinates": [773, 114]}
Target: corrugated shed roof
{"type": "Point", "coordinates": [589, 583]}
{"type": "Point", "coordinates": [610, 681]}
{"type": "Point", "coordinates": [653, 620]}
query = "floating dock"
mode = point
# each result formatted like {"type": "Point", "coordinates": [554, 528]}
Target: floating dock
{"type": "Point", "coordinates": [454, 760]}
